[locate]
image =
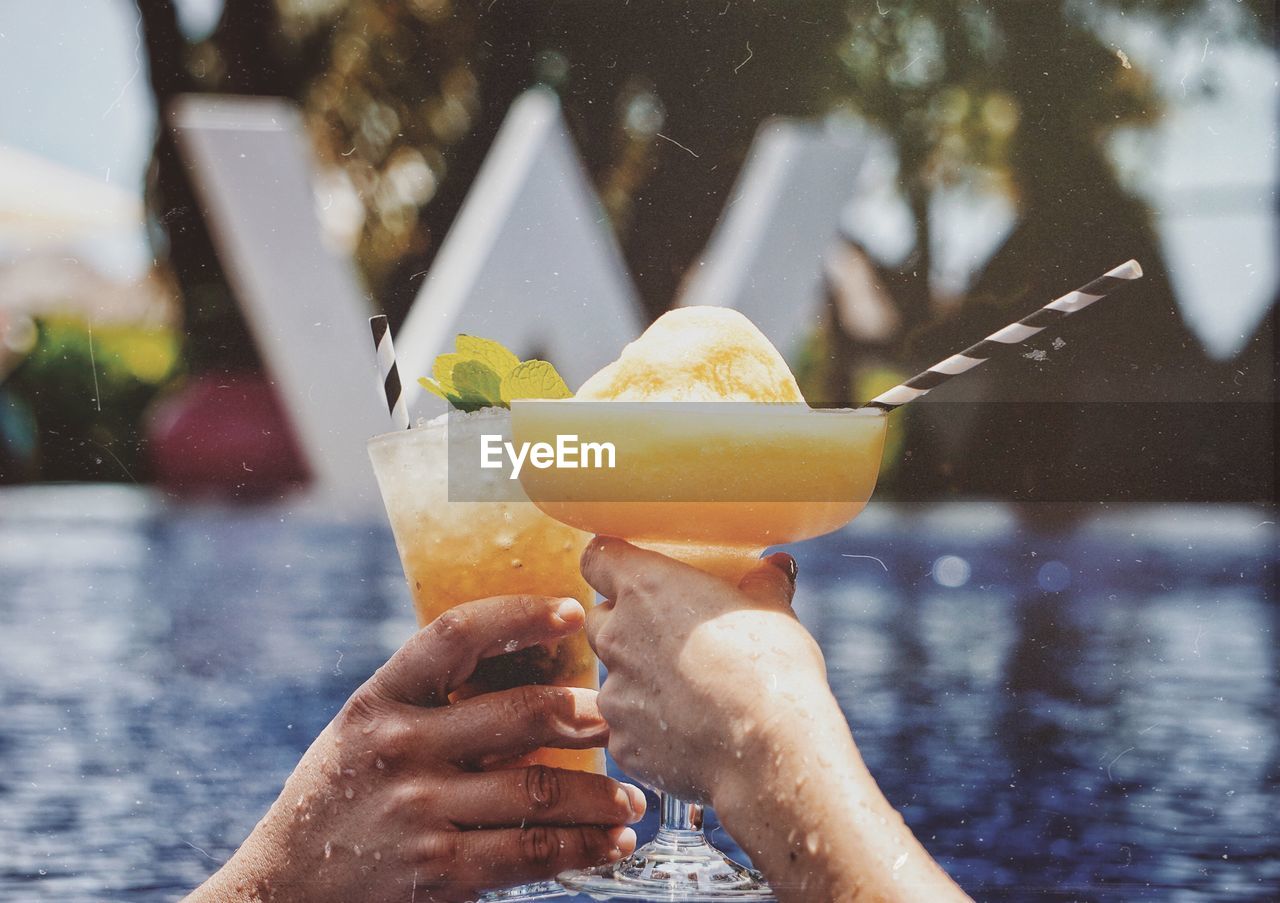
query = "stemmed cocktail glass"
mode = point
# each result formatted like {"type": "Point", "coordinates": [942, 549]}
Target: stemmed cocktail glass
{"type": "Point", "coordinates": [711, 484]}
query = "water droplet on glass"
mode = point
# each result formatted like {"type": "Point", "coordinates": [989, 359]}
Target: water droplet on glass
{"type": "Point", "coordinates": [349, 793]}
{"type": "Point", "coordinates": [379, 764]}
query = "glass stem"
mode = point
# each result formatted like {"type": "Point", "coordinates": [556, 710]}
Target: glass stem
{"type": "Point", "coordinates": [681, 822]}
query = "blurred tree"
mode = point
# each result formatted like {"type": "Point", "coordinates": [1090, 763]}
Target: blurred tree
{"type": "Point", "coordinates": [1022, 96]}
{"type": "Point", "coordinates": [71, 369]}
{"type": "Point", "coordinates": [663, 98]}
{"type": "Point", "coordinates": [404, 99]}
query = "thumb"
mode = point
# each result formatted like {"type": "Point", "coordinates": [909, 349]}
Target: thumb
{"type": "Point", "coordinates": [772, 581]}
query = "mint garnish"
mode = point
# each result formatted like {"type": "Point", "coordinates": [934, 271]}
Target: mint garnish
{"type": "Point", "coordinates": [484, 374]}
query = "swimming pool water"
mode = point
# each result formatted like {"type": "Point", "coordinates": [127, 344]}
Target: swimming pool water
{"type": "Point", "coordinates": [1093, 716]}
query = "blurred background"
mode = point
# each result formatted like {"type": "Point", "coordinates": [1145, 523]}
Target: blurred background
{"type": "Point", "coordinates": [1018, 151]}
{"type": "Point", "coordinates": [1067, 674]}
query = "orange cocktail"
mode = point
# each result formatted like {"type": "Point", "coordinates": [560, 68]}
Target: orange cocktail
{"type": "Point", "coordinates": [715, 456]}
{"type": "Point", "coordinates": [496, 543]}
{"type": "Point", "coordinates": [709, 484]}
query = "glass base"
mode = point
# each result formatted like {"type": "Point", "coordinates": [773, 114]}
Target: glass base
{"type": "Point", "coordinates": [677, 867]}
{"type": "Point", "coordinates": [541, 890]}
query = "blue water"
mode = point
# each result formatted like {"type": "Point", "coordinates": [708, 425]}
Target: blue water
{"type": "Point", "coordinates": [1087, 718]}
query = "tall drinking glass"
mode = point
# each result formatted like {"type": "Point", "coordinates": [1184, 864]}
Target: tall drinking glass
{"type": "Point", "coordinates": [712, 485]}
{"type": "Point", "coordinates": [494, 543]}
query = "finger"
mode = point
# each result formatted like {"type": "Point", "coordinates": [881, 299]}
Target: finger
{"type": "Point", "coordinates": [513, 855]}
{"type": "Point", "coordinates": [597, 622]}
{"type": "Point", "coordinates": [614, 567]}
{"type": "Point", "coordinates": [514, 722]}
{"type": "Point", "coordinates": [772, 581]}
{"type": "Point", "coordinates": [540, 795]}
{"type": "Point", "coordinates": [441, 656]}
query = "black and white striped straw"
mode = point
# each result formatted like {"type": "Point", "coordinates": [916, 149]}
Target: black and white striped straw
{"type": "Point", "coordinates": [390, 374]}
{"type": "Point", "coordinates": [1008, 338]}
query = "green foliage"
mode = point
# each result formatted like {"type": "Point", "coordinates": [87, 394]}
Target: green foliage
{"type": "Point", "coordinates": [88, 388]}
{"type": "Point", "coordinates": [482, 373]}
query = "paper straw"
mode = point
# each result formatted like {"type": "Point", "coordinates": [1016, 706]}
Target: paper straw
{"type": "Point", "coordinates": [387, 369]}
{"type": "Point", "coordinates": [1008, 338]}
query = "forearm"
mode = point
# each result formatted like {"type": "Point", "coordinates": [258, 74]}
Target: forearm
{"type": "Point", "coordinates": [803, 804]}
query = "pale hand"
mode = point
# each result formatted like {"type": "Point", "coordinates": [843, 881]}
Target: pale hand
{"type": "Point", "coordinates": [716, 693]}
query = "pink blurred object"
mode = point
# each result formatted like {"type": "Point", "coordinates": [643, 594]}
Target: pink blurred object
{"type": "Point", "coordinates": [224, 436]}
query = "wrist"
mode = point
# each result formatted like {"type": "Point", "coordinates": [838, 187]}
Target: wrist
{"type": "Point", "coordinates": [800, 721]}
{"type": "Point", "coordinates": [253, 874]}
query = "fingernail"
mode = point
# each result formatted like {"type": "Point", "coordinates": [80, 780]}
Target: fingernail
{"type": "Point", "coordinates": [635, 798]}
{"type": "Point", "coordinates": [623, 842]}
{"type": "Point", "coordinates": [570, 611]}
{"type": "Point", "coordinates": [587, 729]}
{"type": "Point", "coordinates": [785, 563]}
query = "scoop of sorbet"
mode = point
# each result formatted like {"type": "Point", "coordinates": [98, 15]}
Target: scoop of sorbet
{"type": "Point", "coordinates": [696, 354]}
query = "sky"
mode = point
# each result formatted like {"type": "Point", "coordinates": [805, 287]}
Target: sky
{"type": "Point", "coordinates": [73, 89]}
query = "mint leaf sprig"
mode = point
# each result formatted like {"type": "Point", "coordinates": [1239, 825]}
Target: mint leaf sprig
{"type": "Point", "coordinates": [482, 373]}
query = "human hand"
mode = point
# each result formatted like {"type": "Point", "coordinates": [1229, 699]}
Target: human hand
{"type": "Point", "coordinates": [700, 671]}
{"type": "Point", "coordinates": [391, 800]}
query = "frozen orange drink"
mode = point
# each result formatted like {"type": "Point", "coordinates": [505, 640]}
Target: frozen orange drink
{"type": "Point", "coordinates": [715, 457]}
{"type": "Point", "coordinates": [718, 456]}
